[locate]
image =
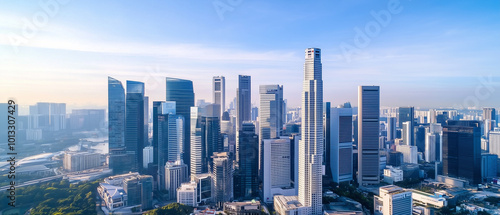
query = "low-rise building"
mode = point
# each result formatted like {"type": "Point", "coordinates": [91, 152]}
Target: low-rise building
{"type": "Point", "coordinates": [243, 208]}
{"type": "Point", "coordinates": [426, 199]}
{"type": "Point", "coordinates": [393, 174]}
{"type": "Point", "coordinates": [289, 205]}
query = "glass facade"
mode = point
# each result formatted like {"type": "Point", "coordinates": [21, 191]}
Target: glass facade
{"type": "Point", "coordinates": [134, 125]}
{"type": "Point", "coordinates": [116, 126]}
{"type": "Point", "coordinates": [181, 91]}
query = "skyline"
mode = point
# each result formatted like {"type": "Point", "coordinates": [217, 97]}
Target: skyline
{"type": "Point", "coordinates": [438, 60]}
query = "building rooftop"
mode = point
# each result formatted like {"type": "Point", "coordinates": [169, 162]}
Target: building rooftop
{"type": "Point", "coordinates": [290, 202]}
{"type": "Point", "coordinates": [392, 189]}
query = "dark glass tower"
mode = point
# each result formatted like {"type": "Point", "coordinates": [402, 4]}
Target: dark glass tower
{"type": "Point", "coordinates": [116, 119]}
{"type": "Point", "coordinates": [326, 137]}
{"type": "Point", "coordinates": [368, 135]}
{"type": "Point", "coordinates": [462, 150]}
{"type": "Point", "coordinates": [134, 125]}
{"type": "Point", "coordinates": [246, 182]}
{"type": "Point", "coordinates": [243, 100]}
{"type": "Point", "coordinates": [181, 91]}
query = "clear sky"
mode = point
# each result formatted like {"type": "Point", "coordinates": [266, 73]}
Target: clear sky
{"type": "Point", "coordinates": [426, 54]}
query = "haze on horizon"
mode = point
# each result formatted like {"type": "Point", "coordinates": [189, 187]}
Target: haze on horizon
{"type": "Point", "coordinates": [425, 54]}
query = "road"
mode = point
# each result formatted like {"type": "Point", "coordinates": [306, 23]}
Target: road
{"type": "Point", "coordinates": [32, 182]}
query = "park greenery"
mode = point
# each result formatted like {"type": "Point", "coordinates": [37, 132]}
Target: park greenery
{"type": "Point", "coordinates": [55, 198]}
{"type": "Point", "coordinates": [173, 208]}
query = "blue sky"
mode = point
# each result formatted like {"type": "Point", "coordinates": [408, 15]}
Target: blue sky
{"type": "Point", "coordinates": [427, 54]}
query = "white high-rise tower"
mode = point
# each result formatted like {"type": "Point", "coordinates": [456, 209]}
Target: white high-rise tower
{"type": "Point", "coordinates": [311, 144]}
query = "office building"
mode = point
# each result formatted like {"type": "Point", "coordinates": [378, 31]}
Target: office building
{"type": "Point", "coordinates": [311, 146]}
{"type": "Point", "coordinates": [489, 167]}
{"type": "Point", "coordinates": [186, 194]}
{"type": "Point", "coordinates": [288, 205]}
{"type": "Point", "coordinates": [393, 200]}
{"type": "Point", "coordinates": [116, 127]}
{"type": "Point", "coordinates": [134, 125]}
{"type": "Point", "coordinates": [204, 187]}
{"type": "Point", "coordinates": [490, 114]}
{"type": "Point", "coordinates": [181, 91]}
{"type": "Point", "coordinates": [138, 190]}
{"type": "Point", "coordinates": [462, 150]}
{"type": "Point", "coordinates": [391, 128]}
{"type": "Point", "coordinates": [327, 158]}
{"type": "Point", "coordinates": [435, 200]}
{"type": "Point", "coordinates": [47, 117]}
{"type": "Point", "coordinates": [79, 161]}
{"type": "Point", "coordinates": [168, 128]}
{"type": "Point", "coordinates": [341, 156]}
{"type": "Point", "coordinates": [243, 208]}
{"type": "Point", "coordinates": [205, 139]}
{"type": "Point", "coordinates": [222, 179]}
{"type": "Point", "coordinates": [243, 100]}
{"type": "Point", "coordinates": [148, 155]}
{"type": "Point", "coordinates": [277, 168]}
{"type": "Point", "coordinates": [409, 153]}
{"type": "Point", "coordinates": [246, 184]}
{"type": "Point", "coordinates": [176, 173]}
{"type": "Point", "coordinates": [270, 115]}
{"type": "Point", "coordinates": [494, 143]}
{"type": "Point", "coordinates": [368, 133]}
{"type": "Point", "coordinates": [393, 174]}
{"type": "Point", "coordinates": [407, 114]}
{"type": "Point", "coordinates": [87, 119]}
{"type": "Point", "coordinates": [219, 93]}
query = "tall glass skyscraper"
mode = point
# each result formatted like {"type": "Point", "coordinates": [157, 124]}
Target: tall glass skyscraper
{"type": "Point", "coordinates": [167, 137]}
{"type": "Point", "coordinates": [311, 144]}
{"type": "Point", "coordinates": [205, 139]}
{"type": "Point", "coordinates": [368, 135]}
{"type": "Point", "coordinates": [134, 125]}
{"type": "Point", "coordinates": [246, 182]}
{"type": "Point", "coordinates": [181, 91]}
{"type": "Point", "coordinates": [462, 150]}
{"type": "Point", "coordinates": [243, 100]}
{"type": "Point", "coordinates": [270, 115]}
{"type": "Point", "coordinates": [116, 126]}
{"type": "Point", "coordinates": [407, 114]}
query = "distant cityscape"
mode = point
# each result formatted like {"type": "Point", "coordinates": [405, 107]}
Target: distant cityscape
{"type": "Point", "coordinates": [215, 158]}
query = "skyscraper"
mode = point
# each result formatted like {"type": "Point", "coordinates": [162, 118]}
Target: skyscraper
{"type": "Point", "coordinates": [243, 100]}
{"type": "Point", "coordinates": [181, 91]}
{"type": "Point", "coordinates": [206, 139]}
{"type": "Point", "coordinates": [219, 92]}
{"type": "Point", "coordinates": [490, 114]}
{"type": "Point", "coordinates": [270, 115]}
{"type": "Point", "coordinates": [391, 128]}
{"type": "Point", "coordinates": [327, 157]}
{"type": "Point", "coordinates": [222, 179]}
{"type": "Point", "coordinates": [167, 136]}
{"type": "Point", "coordinates": [246, 182]}
{"type": "Point", "coordinates": [462, 150]}
{"type": "Point", "coordinates": [134, 125]}
{"type": "Point", "coordinates": [368, 135]}
{"type": "Point", "coordinates": [341, 143]}
{"type": "Point", "coordinates": [311, 146]}
{"type": "Point", "coordinates": [407, 114]}
{"type": "Point", "coordinates": [116, 123]}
